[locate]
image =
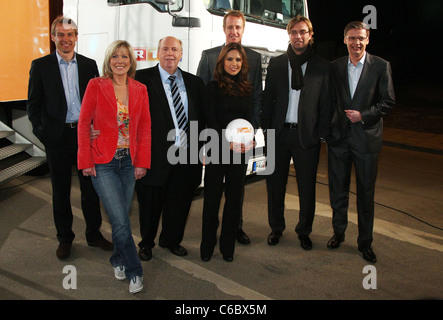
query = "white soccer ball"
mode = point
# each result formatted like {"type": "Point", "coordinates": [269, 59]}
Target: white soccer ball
{"type": "Point", "coordinates": [240, 131]}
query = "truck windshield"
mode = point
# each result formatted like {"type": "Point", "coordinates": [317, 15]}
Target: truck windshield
{"type": "Point", "coordinates": [277, 12]}
{"type": "Point", "coordinates": [177, 6]}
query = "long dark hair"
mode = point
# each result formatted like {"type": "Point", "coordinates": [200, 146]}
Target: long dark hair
{"type": "Point", "coordinates": [238, 85]}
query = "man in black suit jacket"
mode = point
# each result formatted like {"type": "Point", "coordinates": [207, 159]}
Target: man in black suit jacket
{"type": "Point", "coordinates": [297, 106]}
{"type": "Point", "coordinates": [233, 27]}
{"type": "Point", "coordinates": [167, 189]}
{"type": "Point", "coordinates": [57, 83]}
{"type": "Point", "coordinates": [364, 94]}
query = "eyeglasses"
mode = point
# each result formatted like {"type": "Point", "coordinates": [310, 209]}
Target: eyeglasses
{"type": "Point", "coordinates": [354, 39]}
{"type": "Point", "coordinates": [301, 32]}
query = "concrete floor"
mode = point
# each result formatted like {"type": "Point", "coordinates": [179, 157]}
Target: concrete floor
{"type": "Point", "coordinates": [408, 241]}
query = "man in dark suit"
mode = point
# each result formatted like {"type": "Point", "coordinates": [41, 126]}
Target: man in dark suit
{"type": "Point", "coordinates": [57, 83]}
{"type": "Point", "coordinates": [364, 94]}
{"type": "Point", "coordinates": [233, 27]}
{"type": "Point", "coordinates": [297, 106]}
{"type": "Point", "coordinates": [167, 189]}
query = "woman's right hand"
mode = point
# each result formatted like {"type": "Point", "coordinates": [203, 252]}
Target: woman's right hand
{"type": "Point", "coordinates": [93, 132]}
{"type": "Point", "coordinates": [88, 172]}
{"type": "Point", "coordinates": [241, 147]}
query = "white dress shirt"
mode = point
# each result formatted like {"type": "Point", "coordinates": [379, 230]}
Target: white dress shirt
{"type": "Point", "coordinates": [294, 97]}
{"type": "Point", "coordinates": [69, 74]}
{"type": "Point", "coordinates": [354, 73]}
{"type": "Point", "coordinates": [182, 90]}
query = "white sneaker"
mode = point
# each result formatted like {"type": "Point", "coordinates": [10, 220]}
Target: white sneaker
{"type": "Point", "coordinates": [119, 272]}
{"type": "Point", "coordinates": [136, 284]}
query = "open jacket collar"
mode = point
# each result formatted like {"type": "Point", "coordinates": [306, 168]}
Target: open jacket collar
{"type": "Point", "coordinates": [107, 89]}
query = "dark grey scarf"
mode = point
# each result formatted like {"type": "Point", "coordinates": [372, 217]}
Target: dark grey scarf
{"type": "Point", "coordinates": [296, 62]}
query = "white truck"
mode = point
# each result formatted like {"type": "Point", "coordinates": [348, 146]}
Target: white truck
{"type": "Point", "coordinates": [197, 23]}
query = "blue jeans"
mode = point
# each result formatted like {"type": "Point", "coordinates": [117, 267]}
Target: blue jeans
{"type": "Point", "coordinates": [114, 183]}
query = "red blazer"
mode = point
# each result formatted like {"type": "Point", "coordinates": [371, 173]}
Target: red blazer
{"type": "Point", "coordinates": [100, 107]}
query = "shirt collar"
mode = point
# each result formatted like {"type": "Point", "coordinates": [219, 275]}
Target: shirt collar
{"type": "Point", "coordinates": [61, 60]}
{"type": "Point", "coordinates": [165, 74]}
{"type": "Point", "coordinates": [361, 61]}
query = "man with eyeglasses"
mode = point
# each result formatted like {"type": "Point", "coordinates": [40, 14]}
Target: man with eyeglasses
{"type": "Point", "coordinates": [297, 105]}
{"type": "Point", "coordinates": [364, 95]}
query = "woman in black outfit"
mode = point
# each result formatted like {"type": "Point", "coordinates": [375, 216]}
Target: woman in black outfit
{"type": "Point", "coordinates": [229, 98]}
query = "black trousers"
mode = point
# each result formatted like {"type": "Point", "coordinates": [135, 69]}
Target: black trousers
{"type": "Point", "coordinates": [233, 176]}
{"type": "Point", "coordinates": [287, 146]}
{"type": "Point", "coordinates": [171, 201]}
{"type": "Point", "coordinates": [61, 158]}
{"type": "Point", "coordinates": [340, 160]}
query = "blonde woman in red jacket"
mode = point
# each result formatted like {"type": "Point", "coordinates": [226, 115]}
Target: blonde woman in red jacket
{"type": "Point", "coordinates": [117, 106]}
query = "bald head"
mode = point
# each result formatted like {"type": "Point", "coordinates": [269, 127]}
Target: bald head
{"type": "Point", "coordinates": [170, 52]}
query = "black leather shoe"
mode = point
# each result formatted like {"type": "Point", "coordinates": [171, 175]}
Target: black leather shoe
{"type": "Point", "coordinates": [335, 241]}
{"type": "Point", "coordinates": [145, 254]}
{"type": "Point", "coordinates": [205, 258]}
{"type": "Point", "coordinates": [242, 237]}
{"type": "Point", "coordinates": [274, 237]}
{"type": "Point", "coordinates": [368, 254]}
{"type": "Point", "coordinates": [102, 244]}
{"type": "Point", "coordinates": [63, 250]}
{"type": "Point", "coordinates": [228, 258]}
{"type": "Point", "coordinates": [305, 242]}
{"type": "Point", "coordinates": [178, 251]}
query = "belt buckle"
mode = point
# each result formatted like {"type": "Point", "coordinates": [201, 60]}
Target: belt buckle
{"type": "Point", "coordinates": [293, 125]}
{"type": "Point", "coordinates": [121, 153]}
{"type": "Point", "coordinates": [72, 125]}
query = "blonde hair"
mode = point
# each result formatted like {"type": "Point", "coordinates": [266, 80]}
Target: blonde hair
{"type": "Point", "coordinates": [234, 13]}
{"type": "Point", "coordinates": [110, 51]}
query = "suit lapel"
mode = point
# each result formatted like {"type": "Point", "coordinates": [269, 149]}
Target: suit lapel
{"type": "Point", "coordinates": [285, 74]}
{"type": "Point", "coordinates": [108, 91]}
{"type": "Point", "coordinates": [156, 82]}
{"type": "Point", "coordinates": [191, 102]}
{"type": "Point", "coordinates": [310, 68]}
{"type": "Point", "coordinates": [365, 74]}
{"type": "Point", "coordinates": [285, 83]}
{"type": "Point", "coordinates": [283, 71]}
{"type": "Point", "coordinates": [133, 94]}
{"type": "Point", "coordinates": [55, 71]}
{"type": "Point", "coordinates": [345, 78]}
{"type": "Point", "coordinates": [82, 77]}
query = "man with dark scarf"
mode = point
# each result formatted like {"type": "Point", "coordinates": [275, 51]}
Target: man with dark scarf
{"type": "Point", "coordinates": [297, 106]}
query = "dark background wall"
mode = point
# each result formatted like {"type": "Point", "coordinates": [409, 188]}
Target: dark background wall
{"type": "Point", "coordinates": [408, 33]}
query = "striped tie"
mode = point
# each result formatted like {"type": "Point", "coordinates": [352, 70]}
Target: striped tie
{"type": "Point", "coordinates": [180, 113]}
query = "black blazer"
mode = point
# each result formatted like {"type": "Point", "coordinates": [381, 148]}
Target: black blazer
{"type": "Point", "coordinates": [315, 104]}
{"type": "Point", "coordinates": [46, 103]}
{"type": "Point", "coordinates": [206, 68]}
{"type": "Point", "coordinates": [374, 97]}
{"type": "Point", "coordinates": [162, 122]}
